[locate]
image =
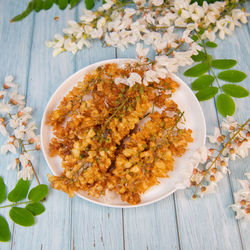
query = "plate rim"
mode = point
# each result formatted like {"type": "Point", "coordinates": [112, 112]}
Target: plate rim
{"type": "Point", "coordinates": [120, 60]}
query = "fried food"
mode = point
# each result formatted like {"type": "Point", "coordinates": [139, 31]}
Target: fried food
{"type": "Point", "coordinates": [99, 139]}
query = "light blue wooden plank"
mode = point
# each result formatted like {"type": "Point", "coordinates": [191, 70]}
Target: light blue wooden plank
{"type": "Point", "coordinates": [151, 227]}
{"type": "Point", "coordinates": [53, 228]}
{"type": "Point", "coordinates": [204, 222]}
{"type": "Point", "coordinates": [11, 58]}
{"type": "Point", "coordinates": [237, 47]}
{"type": "Point", "coordinates": [95, 227]}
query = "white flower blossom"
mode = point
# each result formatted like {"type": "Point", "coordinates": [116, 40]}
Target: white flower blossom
{"type": "Point", "coordinates": [25, 173]}
{"type": "Point", "coordinates": [242, 200]}
{"type": "Point", "coordinates": [5, 108]}
{"type": "Point", "coordinates": [134, 78]}
{"type": "Point", "coordinates": [214, 138]}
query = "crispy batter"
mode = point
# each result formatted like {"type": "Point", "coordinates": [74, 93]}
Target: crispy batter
{"type": "Point", "coordinates": [97, 137]}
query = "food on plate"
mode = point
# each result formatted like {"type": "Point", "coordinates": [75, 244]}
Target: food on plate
{"type": "Point", "coordinates": [114, 131]}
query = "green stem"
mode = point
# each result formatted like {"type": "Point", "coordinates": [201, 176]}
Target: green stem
{"type": "Point", "coordinates": [216, 78]}
{"type": "Point", "coordinates": [220, 153]}
{"type": "Point", "coordinates": [16, 203]}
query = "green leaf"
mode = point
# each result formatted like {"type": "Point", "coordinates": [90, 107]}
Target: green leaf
{"type": "Point", "coordinates": [201, 31]}
{"type": "Point", "coordinates": [232, 75]}
{"type": "Point", "coordinates": [38, 193]}
{"type": "Point", "coordinates": [38, 5]}
{"type": "Point", "coordinates": [62, 4]}
{"type": "Point", "coordinates": [35, 208]}
{"type": "Point", "coordinates": [197, 70]}
{"type": "Point", "coordinates": [211, 44]}
{"type": "Point", "coordinates": [2, 190]}
{"type": "Point", "coordinates": [202, 82]}
{"type": "Point", "coordinates": [73, 3]}
{"type": "Point", "coordinates": [89, 4]}
{"type": "Point", "coordinates": [194, 38]}
{"type": "Point", "coordinates": [225, 105]}
{"type": "Point", "coordinates": [235, 90]}
{"type": "Point", "coordinates": [47, 4]}
{"type": "Point", "coordinates": [4, 230]}
{"type": "Point", "coordinates": [223, 63]}
{"type": "Point", "coordinates": [199, 57]}
{"type": "Point", "coordinates": [206, 93]}
{"type": "Point", "coordinates": [20, 191]}
{"type": "Point", "coordinates": [30, 7]}
{"type": "Point", "coordinates": [22, 216]}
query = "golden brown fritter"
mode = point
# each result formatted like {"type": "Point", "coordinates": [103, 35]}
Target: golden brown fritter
{"type": "Point", "coordinates": [99, 140]}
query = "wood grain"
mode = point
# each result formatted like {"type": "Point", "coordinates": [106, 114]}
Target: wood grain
{"type": "Point", "coordinates": [176, 222]}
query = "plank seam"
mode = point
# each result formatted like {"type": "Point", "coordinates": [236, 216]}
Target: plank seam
{"type": "Point", "coordinates": [177, 222]}
{"type": "Point", "coordinates": [26, 91]}
{"type": "Point", "coordinates": [123, 231]}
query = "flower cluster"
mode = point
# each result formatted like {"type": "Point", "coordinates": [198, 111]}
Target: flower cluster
{"type": "Point", "coordinates": [17, 126]}
{"type": "Point", "coordinates": [164, 25]}
{"type": "Point", "coordinates": [242, 200]}
{"type": "Point", "coordinates": [231, 144]}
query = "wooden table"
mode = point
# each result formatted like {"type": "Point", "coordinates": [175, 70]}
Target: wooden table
{"type": "Point", "coordinates": [176, 222]}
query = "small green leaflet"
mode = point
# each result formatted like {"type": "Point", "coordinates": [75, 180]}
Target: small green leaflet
{"type": "Point", "coordinates": [199, 57]}
{"type": "Point", "coordinates": [35, 208]}
{"type": "Point", "coordinates": [38, 193]}
{"type": "Point", "coordinates": [197, 70]}
{"type": "Point", "coordinates": [89, 4]}
{"type": "Point", "coordinates": [202, 82]}
{"type": "Point", "coordinates": [225, 105]}
{"type": "Point", "coordinates": [38, 5]}
{"type": "Point", "coordinates": [223, 63]}
{"type": "Point", "coordinates": [235, 90]}
{"type": "Point", "coordinates": [232, 75]}
{"type": "Point", "coordinates": [194, 38]}
{"type": "Point", "coordinates": [47, 4]}
{"type": "Point", "coordinates": [20, 191]}
{"type": "Point", "coordinates": [73, 3]}
{"type": "Point", "coordinates": [206, 93]}
{"type": "Point", "coordinates": [62, 4]}
{"type": "Point", "coordinates": [2, 190]}
{"type": "Point", "coordinates": [211, 44]}
{"type": "Point", "coordinates": [4, 230]}
{"type": "Point", "coordinates": [22, 216]}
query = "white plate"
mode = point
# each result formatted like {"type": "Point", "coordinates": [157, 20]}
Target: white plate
{"type": "Point", "coordinates": [179, 177]}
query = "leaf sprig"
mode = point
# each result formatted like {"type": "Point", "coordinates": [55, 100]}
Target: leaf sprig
{"type": "Point", "coordinates": [24, 216]}
{"type": "Point", "coordinates": [38, 5]}
{"type": "Point", "coordinates": [204, 83]}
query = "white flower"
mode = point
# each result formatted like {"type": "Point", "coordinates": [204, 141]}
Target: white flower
{"type": "Point", "coordinates": [120, 80]}
{"type": "Point", "coordinates": [2, 93]}
{"type": "Point", "coordinates": [3, 130]}
{"type": "Point", "coordinates": [19, 132]}
{"type": "Point", "coordinates": [108, 4]}
{"type": "Point", "coordinates": [9, 82]}
{"type": "Point", "coordinates": [214, 138]}
{"type": "Point", "coordinates": [133, 78]}
{"type": "Point", "coordinates": [15, 98]}
{"type": "Point", "coordinates": [5, 108]}
{"type": "Point", "coordinates": [13, 164]}
{"type": "Point", "coordinates": [200, 155]}
{"type": "Point", "coordinates": [229, 124]}
{"type": "Point", "coordinates": [26, 173]}
{"type": "Point", "coordinates": [140, 51]}
{"type": "Point", "coordinates": [242, 200]}
{"type": "Point", "coordinates": [157, 2]}
{"type": "Point", "coordinates": [25, 158]}
{"type": "Point", "coordinates": [10, 146]}
{"type": "Point", "coordinates": [88, 16]}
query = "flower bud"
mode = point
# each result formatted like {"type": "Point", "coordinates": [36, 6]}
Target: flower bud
{"type": "Point", "coordinates": [243, 202]}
